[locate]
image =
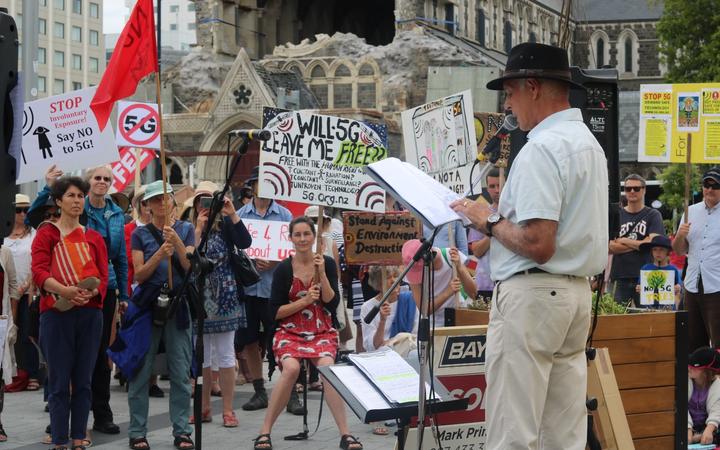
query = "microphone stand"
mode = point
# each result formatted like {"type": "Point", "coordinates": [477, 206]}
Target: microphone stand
{"type": "Point", "coordinates": [200, 265]}
{"type": "Point", "coordinates": [425, 253]}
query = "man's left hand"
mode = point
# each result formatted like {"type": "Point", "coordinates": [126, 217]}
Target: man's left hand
{"type": "Point", "coordinates": [477, 212]}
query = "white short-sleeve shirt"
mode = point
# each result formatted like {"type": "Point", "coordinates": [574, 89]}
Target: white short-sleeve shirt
{"type": "Point", "coordinates": [561, 175]}
{"type": "Point", "coordinates": [703, 248]}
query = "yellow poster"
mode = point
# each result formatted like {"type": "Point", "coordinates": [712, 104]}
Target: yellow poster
{"type": "Point", "coordinates": [691, 111]}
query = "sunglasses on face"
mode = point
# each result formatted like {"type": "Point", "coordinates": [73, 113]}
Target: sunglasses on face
{"type": "Point", "coordinates": [50, 214]}
{"type": "Point", "coordinates": [711, 185]}
{"type": "Point", "coordinates": [101, 178]}
{"type": "Point", "coordinates": [21, 210]}
{"type": "Point", "coordinates": [633, 188]}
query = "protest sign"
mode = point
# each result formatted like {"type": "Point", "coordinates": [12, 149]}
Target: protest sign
{"type": "Point", "coordinates": [671, 112]}
{"type": "Point", "coordinates": [270, 239]}
{"type": "Point", "coordinates": [138, 125]}
{"type": "Point", "coordinates": [440, 139]}
{"type": "Point", "coordinates": [124, 169]}
{"type": "Point", "coordinates": [657, 285]}
{"type": "Point", "coordinates": [318, 159]}
{"type": "Point", "coordinates": [377, 238]}
{"type": "Point", "coordinates": [62, 130]}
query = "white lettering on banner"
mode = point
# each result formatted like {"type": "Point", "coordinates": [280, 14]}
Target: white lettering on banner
{"type": "Point", "coordinates": [62, 130]}
{"type": "Point", "coordinates": [124, 169]}
{"type": "Point", "coordinates": [318, 159]}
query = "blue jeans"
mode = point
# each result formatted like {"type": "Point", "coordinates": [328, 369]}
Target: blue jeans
{"type": "Point", "coordinates": [70, 342]}
{"type": "Point", "coordinates": [179, 353]}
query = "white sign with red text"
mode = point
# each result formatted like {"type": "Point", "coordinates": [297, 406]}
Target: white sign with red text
{"type": "Point", "coordinates": [270, 240]}
{"type": "Point", "coordinates": [62, 130]}
{"type": "Point", "coordinates": [124, 169]}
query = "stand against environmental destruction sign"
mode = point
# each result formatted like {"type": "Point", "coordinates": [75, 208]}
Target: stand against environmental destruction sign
{"type": "Point", "coordinates": [317, 159]}
{"type": "Point", "coordinates": [669, 113]}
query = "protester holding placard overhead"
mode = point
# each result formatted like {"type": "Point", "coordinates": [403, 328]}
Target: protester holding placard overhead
{"type": "Point", "coordinates": [548, 235]}
{"type": "Point", "coordinates": [302, 303]}
{"type": "Point", "coordinates": [105, 217]}
{"type": "Point", "coordinates": [257, 297]}
{"type": "Point", "coordinates": [70, 267]}
{"type": "Point", "coordinates": [163, 239]}
{"type": "Point", "coordinates": [222, 295]}
{"type": "Point", "coordinates": [637, 223]}
{"type": "Point", "coordinates": [699, 239]}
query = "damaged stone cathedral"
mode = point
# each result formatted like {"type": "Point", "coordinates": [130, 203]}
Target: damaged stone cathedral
{"type": "Point", "coordinates": [372, 59]}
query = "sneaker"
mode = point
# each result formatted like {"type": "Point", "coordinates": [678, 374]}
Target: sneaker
{"type": "Point", "coordinates": [156, 392]}
{"type": "Point", "coordinates": [294, 405]}
{"type": "Point", "coordinates": [259, 400]}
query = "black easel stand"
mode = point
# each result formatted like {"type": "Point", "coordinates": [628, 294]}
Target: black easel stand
{"type": "Point", "coordinates": [201, 267]}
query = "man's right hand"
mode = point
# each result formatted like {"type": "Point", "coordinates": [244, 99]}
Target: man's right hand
{"type": "Point", "coordinates": [52, 174]}
{"type": "Point", "coordinates": [683, 230]}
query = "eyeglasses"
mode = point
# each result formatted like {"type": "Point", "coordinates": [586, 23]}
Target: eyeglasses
{"type": "Point", "coordinates": [101, 178]}
{"type": "Point", "coordinates": [633, 188]}
{"type": "Point", "coordinates": [21, 210]}
{"type": "Point", "coordinates": [50, 214]}
{"type": "Point", "coordinates": [711, 185]}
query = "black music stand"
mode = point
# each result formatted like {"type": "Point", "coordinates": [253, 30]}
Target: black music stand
{"type": "Point", "coordinates": [403, 413]}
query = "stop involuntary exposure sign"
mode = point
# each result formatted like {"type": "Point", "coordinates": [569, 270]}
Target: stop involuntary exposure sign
{"type": "Point", "coordinates": [138, 125]}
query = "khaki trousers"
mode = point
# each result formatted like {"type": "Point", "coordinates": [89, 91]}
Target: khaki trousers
{"type": "Point", "coordinates": [536, 367]}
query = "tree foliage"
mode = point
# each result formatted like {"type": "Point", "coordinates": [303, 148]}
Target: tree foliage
{"type": "Point", "coordinates": [673, 189]}
{"type": "Point", "coordinates": [689, 35]}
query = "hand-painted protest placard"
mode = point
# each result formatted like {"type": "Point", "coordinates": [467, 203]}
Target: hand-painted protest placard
{"type": "Point", "coordinates": [138, 125]}
{"type": "Point", "coordinates": [318, 159]}
{"type": "Point", "coordinates": [657, 286]}
{"type": "Point", "coordinates": [671, 112]}
{"type": "Point", "coordinates": [124, 169]}
{"type": "Point", "coordinates": [270, 240]}
{"type": "Point", "coordinates": [377, 238]}
{"type": "Point", "coordinates": [62, 130]}
{"type": "Point", "coordinates": [440, 139]}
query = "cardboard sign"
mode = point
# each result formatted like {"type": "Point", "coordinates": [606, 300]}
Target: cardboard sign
{"type": "Point", "coordinates": [270, 240]}
{"type": "Point", "coordinates": [124, 169]}
{"type": "Point", "coordinates": [62, 130]}
{"type": "Point", "coordinates": [377, 238]}
{"type": "Point", "coordinates": [440, 139]}
{"type": "Point", "coordinates": [657, 285]}
{"type": "Point", "coordinates": [138, 125]}
{"type": "Point", "coordinates": [669, 112]}
{"type": "Point", "coordinates": [318, 159]}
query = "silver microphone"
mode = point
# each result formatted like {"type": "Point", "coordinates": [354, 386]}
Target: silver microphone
{"type": "Point", "coordinates": [260, 135]}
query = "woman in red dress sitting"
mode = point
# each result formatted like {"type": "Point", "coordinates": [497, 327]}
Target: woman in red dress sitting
{"type": "Point", "coordinates": [305, 330]}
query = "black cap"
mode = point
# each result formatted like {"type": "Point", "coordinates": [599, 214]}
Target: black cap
{"type": "Point", "coordinates": [704, 358]}
{"type": "Point", "coordinates": [713, 174]}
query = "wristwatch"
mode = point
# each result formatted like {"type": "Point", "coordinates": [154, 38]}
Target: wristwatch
{"type": "Point", "coordinates": [492, 220]}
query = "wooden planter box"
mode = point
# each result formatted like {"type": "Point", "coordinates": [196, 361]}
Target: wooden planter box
{"type": "Point", "coordinates": [649, 355]}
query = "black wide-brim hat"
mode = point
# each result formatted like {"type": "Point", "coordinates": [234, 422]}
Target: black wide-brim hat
{"type": "Point", "coordinates": [532, 60]}
{"type": "Point", "coordinates": [657, 241]}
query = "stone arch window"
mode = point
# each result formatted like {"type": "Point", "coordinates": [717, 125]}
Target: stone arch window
{"type": "Point", "coordinates": [507, 36]}
{"type": "Point", "coordinates": [627, 52]}
{"type": "Point", "coordinates": [295, 67]}
{"type": "Point", "coordinates": [342, 87]}
{"type": "Point", "coordinates": [368, 86]}
{"type": "Point", "coordinates": [599, 49]}
{"type": "Point", "coordinates": [318, 82]}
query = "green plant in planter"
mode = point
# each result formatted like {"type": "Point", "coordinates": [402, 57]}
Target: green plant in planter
{"type": "Point", "coordinates": [608, 305]}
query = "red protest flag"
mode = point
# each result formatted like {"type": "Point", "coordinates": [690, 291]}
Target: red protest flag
{"type": "Point", "coordinates": [134, 57]}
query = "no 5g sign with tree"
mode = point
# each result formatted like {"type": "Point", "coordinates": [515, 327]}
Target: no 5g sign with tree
{"type": "Point", "coordinates": [138, 125]}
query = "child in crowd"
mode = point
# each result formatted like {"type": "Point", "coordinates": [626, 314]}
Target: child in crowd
{"type": "Point", "coordinates": [703, 396]}
{"type": "Point", "coordinates": [660, 247]}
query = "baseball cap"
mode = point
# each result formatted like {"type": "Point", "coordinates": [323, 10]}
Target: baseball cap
{"type": "Point", "coordinates": [712, 174]}
{"type": "Point", "coordinates": [414, 276]}
{"type": "Point", "coordinates": [704, 358]}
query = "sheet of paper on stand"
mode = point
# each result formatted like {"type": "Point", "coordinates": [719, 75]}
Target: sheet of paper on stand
{"type": "Point", "coordinates": [361, 387]}
{"type": "Point", "coordinates": [416, 191]}
{"type": "Point", "coordinates": [391, 374]}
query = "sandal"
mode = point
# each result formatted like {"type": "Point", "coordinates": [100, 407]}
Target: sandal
{"type": "Point", "coordinates": [216, 393]}
{"type": "Point", "coordinates": [33, 385]}
{"type": "Point", "coordinates": [380, 430]}
{"type": "Point", "coordinates": [139, 443]}
{"type": "Point", "coordinates": [3, 434]}
{"type": "Point", "coordinates": [230, 420]}
{"type": "Point", "coordinates": [263, 442]}
{"type": "Point", "coordinates": [299, 388]}
{"type": "Point", "coordinates": [315, 386]}
{"type": "Point", "coordinates": [78, 447]}
{"type": "Point", "coordinates": [181, 439]}
{"type": "Point", "coordinates": [206, 417]}
{"type": "Point", "coordinates": [350, 442]}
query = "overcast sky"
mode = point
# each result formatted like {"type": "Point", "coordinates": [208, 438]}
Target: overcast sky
{"type": "Point", "coordinates": [114, 12]}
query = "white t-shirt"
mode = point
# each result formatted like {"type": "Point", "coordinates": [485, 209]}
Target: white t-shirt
{"type": "Point", "coordinates": [560, 175]}
{"type": "Point", "coordinates": [369, 329]}
{"type": "Point", "coordinates": [21, 250]}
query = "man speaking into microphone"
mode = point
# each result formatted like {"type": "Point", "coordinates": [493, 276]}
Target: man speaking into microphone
{"type": "Point", "coordinates": [549, 234]}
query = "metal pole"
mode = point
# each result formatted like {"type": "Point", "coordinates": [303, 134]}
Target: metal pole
{"type": "Point", "coordinates": [29, 41]}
